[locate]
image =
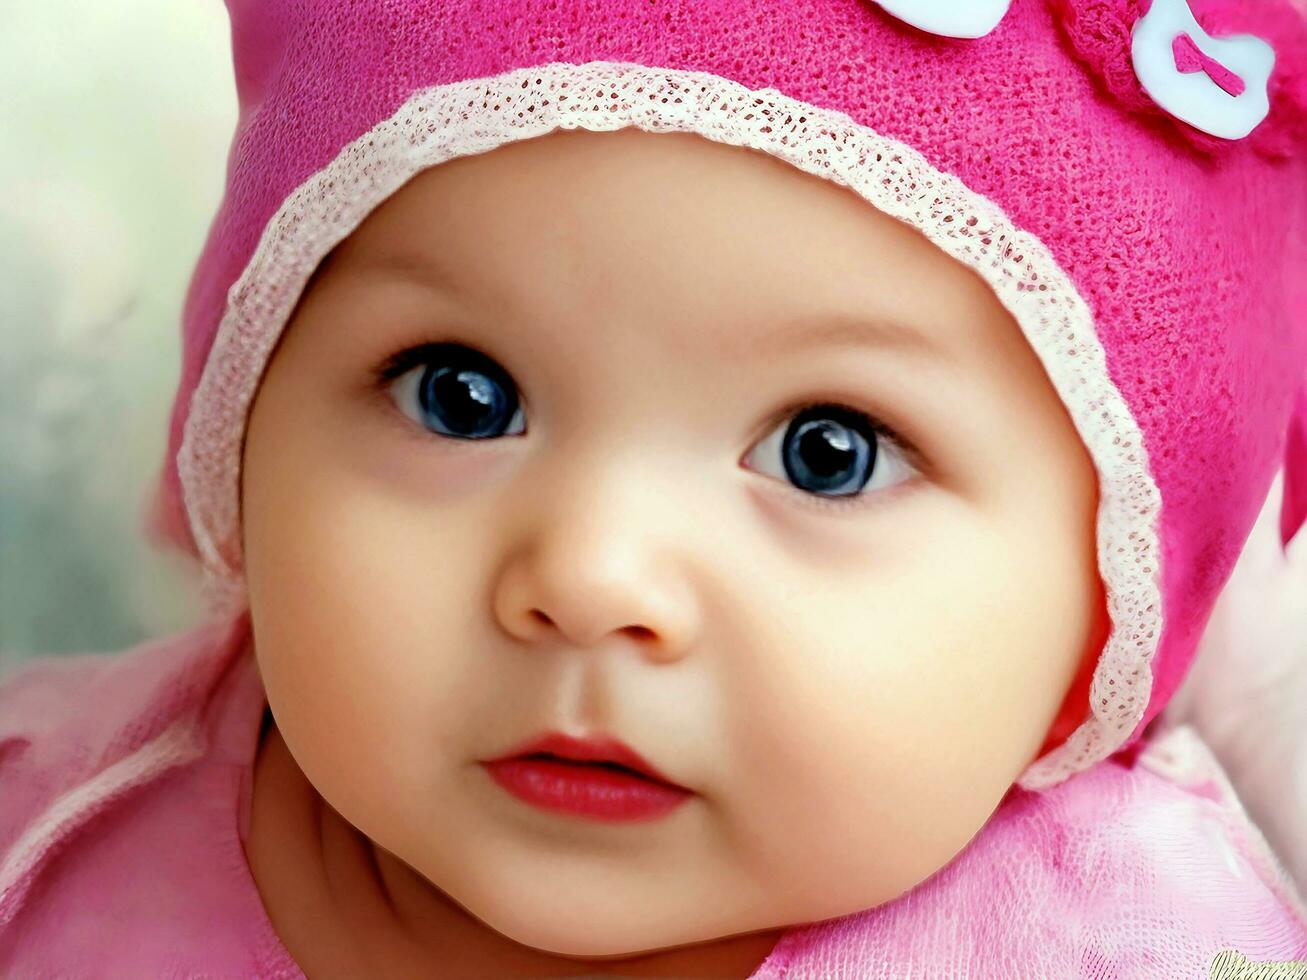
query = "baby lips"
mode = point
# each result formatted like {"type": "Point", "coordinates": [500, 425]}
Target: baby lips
{"type": "Point", "coordinates": [949, 18]}
{"type": "Point", "coordinates": [1217, 85]}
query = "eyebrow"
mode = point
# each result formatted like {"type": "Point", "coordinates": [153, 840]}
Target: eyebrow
{"type": "Point", "coordinates": [836, 329]}
{"type": "Point", "coordinates": [839, 328]}
{"type": "Point", "coordinates": [401, 265]}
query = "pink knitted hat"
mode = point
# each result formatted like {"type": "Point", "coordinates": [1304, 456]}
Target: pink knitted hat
{"type": "Point", "coordinates": [1159, 272]}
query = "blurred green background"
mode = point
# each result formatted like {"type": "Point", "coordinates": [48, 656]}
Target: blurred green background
{"type": "Point", "coordinates": [114, 127]}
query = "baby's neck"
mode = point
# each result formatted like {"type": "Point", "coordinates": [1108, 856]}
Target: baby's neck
{"type": "Point", "coordinates": [344, 907]}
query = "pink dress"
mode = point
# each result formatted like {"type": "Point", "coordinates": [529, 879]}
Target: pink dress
{"type": "Point", "coordinates": [125, 797]}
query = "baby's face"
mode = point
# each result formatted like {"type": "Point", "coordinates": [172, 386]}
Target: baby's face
{"type": "Point", "coordinates": [845, 644]}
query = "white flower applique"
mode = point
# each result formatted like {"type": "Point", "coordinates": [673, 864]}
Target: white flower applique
{"type": "Point", "coordinates": [949, 18]}
{"type": "Point", "coordinates": [1217, 85]}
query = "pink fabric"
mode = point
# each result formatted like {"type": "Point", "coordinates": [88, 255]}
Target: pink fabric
{"type": "Point", "coordinates": [144, 877]}
{"type": "Point", "coordinates": [1183, 246]}
{"type": "Point", "coordinates": [1122, 872]}
{"type": "Point", "coordinates": [1099, 33]}
{"type": "Point", "coordinates": [1294, 511]}
{"type": "Point", "coordinates": [1189, 58]}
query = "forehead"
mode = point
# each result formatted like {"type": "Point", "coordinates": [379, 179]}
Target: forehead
{"type": "Point", "coordinates": [631, 223]}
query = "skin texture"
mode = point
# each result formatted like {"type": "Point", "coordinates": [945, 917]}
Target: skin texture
{"type": "Point", "coordinates": [850, 690]}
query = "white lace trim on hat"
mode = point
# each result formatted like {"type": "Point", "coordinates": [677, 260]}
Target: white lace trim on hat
{"type": "Point", "coordinates": [473, 116]}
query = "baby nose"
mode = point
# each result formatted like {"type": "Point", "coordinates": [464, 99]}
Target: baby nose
{"type": "Point", "coordinates": [591, 573]}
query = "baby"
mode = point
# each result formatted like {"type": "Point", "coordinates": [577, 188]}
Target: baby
{"type": "Point", "coordinates": [565, 480]}
{"type": "Point", "coordinates": [689, 492]}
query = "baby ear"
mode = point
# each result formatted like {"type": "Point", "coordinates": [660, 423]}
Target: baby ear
{"type": "Point", "coordinates": [1188, 76]}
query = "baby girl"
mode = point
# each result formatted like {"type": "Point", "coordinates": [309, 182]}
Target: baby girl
{"type": "Point", "coordinates": [699, 490]}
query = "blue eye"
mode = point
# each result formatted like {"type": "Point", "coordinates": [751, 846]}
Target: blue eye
{"type": "Point", "coordinates": [824, 453]}
{"type": "Point", "coordinates": [832, 453]}
{"type": "Point", "coordinates": [829, 453]}
{"type": "Point", "coordinates": [456, 392]}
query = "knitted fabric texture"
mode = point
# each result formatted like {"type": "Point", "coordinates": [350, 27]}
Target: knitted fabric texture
{"type": "Point", "coordinates": [1151, 269]}
{"type": "Point", "coordinates": [1099, 33]}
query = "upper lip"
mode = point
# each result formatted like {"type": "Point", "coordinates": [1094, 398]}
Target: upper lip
{"type": "Point", "coordinates": [590, 748]}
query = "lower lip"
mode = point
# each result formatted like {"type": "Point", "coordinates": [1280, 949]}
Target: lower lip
{"type": "Point", "coordinates": [585, 790]}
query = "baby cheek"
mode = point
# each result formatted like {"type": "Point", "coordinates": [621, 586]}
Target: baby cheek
{"type": "Point", "coordinates": [381, 561]}
{"type": "Point", "coordinates": [861, 768]}
{"type": "Point", "coordinates": [353, 627]}
{"type": "Point", "coordinates": [365, 713]}
{"type": "Point", "coordinates": [833, 819]}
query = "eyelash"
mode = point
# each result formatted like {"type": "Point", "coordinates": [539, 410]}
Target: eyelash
{"type": "Point", "coordinates": [403, 361]}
